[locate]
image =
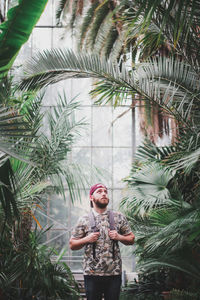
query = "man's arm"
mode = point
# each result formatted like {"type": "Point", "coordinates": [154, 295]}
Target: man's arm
{"type": "Point", "coordinates": [127, 239]}
{"type": "Point", "coordinates": [77, 244]}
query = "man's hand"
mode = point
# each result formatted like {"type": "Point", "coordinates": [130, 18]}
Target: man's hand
{"type": "Point", "coordinates": [92, 237]}
{"type": "Point", "coordinates": [77, 244]}
{"type": "Point", "coordinates": [113, 234]}
{"type": "Point", "coordinates": [125, 239]}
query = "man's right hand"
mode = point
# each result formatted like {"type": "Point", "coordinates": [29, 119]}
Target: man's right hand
{"type": "Point", "coordinates": [77, 244]}
{"type": "Point", "coordinates": [93, 237]}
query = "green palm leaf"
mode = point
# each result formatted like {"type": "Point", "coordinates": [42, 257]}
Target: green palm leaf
{"type": "Point", "coordinates": [16, 30]}
{"type": "Point", "coordinates": [148, 185]}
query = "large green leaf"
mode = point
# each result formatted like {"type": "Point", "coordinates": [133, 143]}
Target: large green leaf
{"type": "Point", "coordinates": [21, 20]}
{"type": "Point", "coordinates": [149, 186]}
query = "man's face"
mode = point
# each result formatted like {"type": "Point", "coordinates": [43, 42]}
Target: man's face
{"type": "Point", "coordinates": [100, 197]}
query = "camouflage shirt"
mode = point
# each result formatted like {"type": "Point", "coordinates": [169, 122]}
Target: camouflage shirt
{"type": "Point", "coordinates": [103, 264]}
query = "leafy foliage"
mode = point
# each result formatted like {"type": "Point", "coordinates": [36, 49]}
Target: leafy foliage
{"type": "Point", "coordinates": [166, 231]}
{"type": "Point", "coordinates": [27, 271]}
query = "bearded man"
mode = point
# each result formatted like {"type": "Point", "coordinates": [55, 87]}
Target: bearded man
{"type": "Point", "coordinates": [99, 232]}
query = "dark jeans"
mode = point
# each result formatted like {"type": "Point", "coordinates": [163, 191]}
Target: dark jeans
{"type": "Point", "coordinates": [97, 286]}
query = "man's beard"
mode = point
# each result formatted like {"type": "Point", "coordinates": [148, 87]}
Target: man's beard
{"type": "Point", "coordinates": [99, 204]}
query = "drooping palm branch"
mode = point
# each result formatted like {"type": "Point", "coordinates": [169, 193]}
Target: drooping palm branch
{"type": "Point", "coordinates": [170, 83]}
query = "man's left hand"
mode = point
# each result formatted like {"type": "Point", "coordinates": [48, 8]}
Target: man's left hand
{"type": "Point", "coordinates": [113, 234]}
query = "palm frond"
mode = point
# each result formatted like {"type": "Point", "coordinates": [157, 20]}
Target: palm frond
{"type": "Point", "coordinates": [62, 6]}
{"type": "Point", "coordinates": [55, 169]}
{"type": "Point", "coordinates": [164, 27]}
{"type": "Point", "coordinates": [172, 232]}
{"type": "Point", "coordinates": [175, 263]}
{"type": "Point", "coordinates": [5, 90]}
{"type": "Point", "coordinates": [170, 83]}
{"type": "Point", "coordinates": [149, 151]}
{"type": "Point", "coordinates": [88, 19]}
{"type": "Point", "coordinates": [111, 40]}
{"type": "Point", "coordinates": [74, 12]}
{"type": "Point", "coordinates": [55, 65]}
{"type": "Point", "coordinates": [148, 185]}
{"type": "Point", "coordinates": [184, 11]}
{"type": "Point", "coordinates": [100, 15]}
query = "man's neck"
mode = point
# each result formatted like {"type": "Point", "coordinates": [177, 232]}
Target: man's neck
{"type": "Point", "coordinates": [99, 210]}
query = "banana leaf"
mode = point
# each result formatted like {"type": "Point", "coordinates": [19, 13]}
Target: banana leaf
{"type": "Point", "coordinates": [15, 31]}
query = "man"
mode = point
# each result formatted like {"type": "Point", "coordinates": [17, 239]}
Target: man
{"type": "Point", "coordinates": [102, 260]}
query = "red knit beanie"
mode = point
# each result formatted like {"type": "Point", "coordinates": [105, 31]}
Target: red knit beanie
{"type": "Point", "coordinates": [95, 187]}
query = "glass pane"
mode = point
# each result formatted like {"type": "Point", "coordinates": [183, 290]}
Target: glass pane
{"type": "Point", "coordinates": [54, 91]}
{"type": "Point", "coordinates": [84, 114]}
{"type": "Point", "coordinates": [46, 18]}
{"type": "Point", "coordinates": [122, 158]}
{"type": "Point", "coordinates": [24, 53]}
{"type": "Point", "coordinates": [80, 208]}
{"type": "Point", "coordinates": [102, 129]}
{"type": "Point", "coordinates": [82, 156]}
{"type": "Point", "coordinates": [118, 195]}
{"type": "Point", "coordinates": [42, 39]}
{"type": "Point", "coordinates": [128, 259]}
{"type": "Point", "coordinates": [122, 127]}
{"type": "Point", "coordinates": [45, 127]}
{"type": "Point", "coordinates": [58, 239]}
{"type": "Point", "coordinates": [59, 215]}
{"type": "Point", "coordinates": [62, 38]}
{"type": "Point", "coordinates": [102, 159]}
{"type": "Point", "coordinates": [80, 89]}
